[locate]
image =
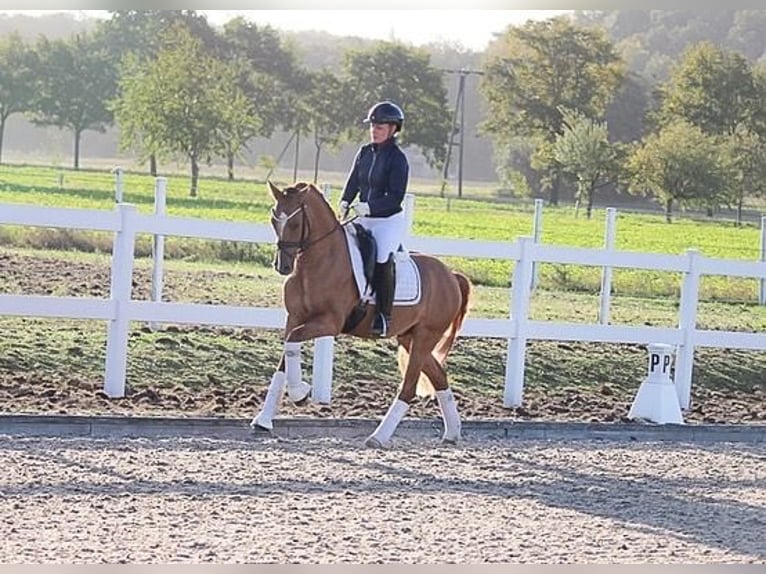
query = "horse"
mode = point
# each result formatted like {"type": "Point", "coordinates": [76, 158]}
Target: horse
{"type": "Point", "coordinates": [322, 298]}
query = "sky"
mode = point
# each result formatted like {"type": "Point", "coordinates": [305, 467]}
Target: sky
{"type": "Point", "coordinates": [471, 29]}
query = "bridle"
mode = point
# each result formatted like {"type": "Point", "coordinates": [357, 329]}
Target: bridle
{"type": "Point", "coordinates": [303, 243]}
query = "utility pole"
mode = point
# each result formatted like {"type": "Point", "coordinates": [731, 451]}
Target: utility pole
{"type": "Point", "coordinates": [458, 127]}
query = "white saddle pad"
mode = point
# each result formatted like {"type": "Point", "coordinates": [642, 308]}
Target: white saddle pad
{"type": "Point", "coordinates": [407, 290]}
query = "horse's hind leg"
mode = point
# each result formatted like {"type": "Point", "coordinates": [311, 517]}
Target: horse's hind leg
{"type": "Point", "coordinates": [437, 377]}
{"type": "Point", "coordinates": [446, 399]}
{"type": "Point", "coordinates": [421, 346]}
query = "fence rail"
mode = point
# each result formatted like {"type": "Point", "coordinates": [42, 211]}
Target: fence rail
{"type": "Point", "coordinates": [119, 310]}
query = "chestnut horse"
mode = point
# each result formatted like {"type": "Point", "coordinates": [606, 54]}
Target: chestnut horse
{"type": "Point", "coordinates": [320, 295]}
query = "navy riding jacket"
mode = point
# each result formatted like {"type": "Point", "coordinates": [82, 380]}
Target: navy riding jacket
{"type": "Point", "coordinates": [379, 175]}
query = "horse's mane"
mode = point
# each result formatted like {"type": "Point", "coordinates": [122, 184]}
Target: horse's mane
{"type": "Point", "coordinates": [307, 187]}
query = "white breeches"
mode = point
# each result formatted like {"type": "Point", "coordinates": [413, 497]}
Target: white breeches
{"type": "Point", "coordinates": [387, 231]}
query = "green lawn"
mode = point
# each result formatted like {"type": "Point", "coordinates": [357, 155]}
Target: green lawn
{"type": "Point", "coordinates": [434, 216]}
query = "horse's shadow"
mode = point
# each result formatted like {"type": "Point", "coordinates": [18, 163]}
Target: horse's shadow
{"type": "Point", "coordinates": [643, 501]}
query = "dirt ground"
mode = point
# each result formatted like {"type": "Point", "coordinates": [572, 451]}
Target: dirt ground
{"type": "Point", "coordinates": [332, 501]}
{"type": "Point", "coordinates": [31, 393]}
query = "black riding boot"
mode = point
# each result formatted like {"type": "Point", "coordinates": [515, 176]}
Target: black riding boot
{"type": "Point", "coordinates": [385, 284]}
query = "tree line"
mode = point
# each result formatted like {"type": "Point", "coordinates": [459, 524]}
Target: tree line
{"type": "Point", "coordinates": [177, 87]}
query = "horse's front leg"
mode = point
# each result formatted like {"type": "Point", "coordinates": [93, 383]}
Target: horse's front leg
{"type": "Point", "coordinates": [298, 390]}
{"type": "Point", "coordinates": [264, 418]}
{"type": "Point", "coordinates": [289, 374]}
{"type": "Point", "coordinates": [321, 326]}
{"type": "Point", "coordinates": [288, 377]}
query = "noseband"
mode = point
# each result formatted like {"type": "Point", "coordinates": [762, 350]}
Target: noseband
{"type": "Point", "coordinates": [305, 240]}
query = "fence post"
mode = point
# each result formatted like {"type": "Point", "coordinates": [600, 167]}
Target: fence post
{"type": "Point", "coordinates": [120, 295]}
{"type": "Point", "coordinates": [118, 184]}
{"type": "Point", "coordinates": [537, 230]}
{"type": "Point", "coordinates": [520, 295]}
{"type": "Point", "coordinates": [321, 381]}
{"type": "Point", "coordinates": [687, 322]}
{"type": "Point", "coordinates": [605, 296]}
{"type": "Point", "coordinates": [158, 244]}
{"type": "Point", "coordinates": [409, 212]}
{"type": "Point", "coordinates": [762, 292]}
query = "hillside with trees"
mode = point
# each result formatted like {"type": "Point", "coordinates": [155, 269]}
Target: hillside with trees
{"type": "Point", "coordinates": [571, 108]}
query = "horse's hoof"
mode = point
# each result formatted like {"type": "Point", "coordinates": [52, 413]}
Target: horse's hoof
{"type": "Point", "coordinates": [452, 441]}
{"type": "Point", "coordinates": [374, 442]}
{"type": "Point", "coordinates": [259, 426]}
{"type": "Point", "coordinates": [303, 402]}
{"type": "Point", "coordinates": [299, 393]}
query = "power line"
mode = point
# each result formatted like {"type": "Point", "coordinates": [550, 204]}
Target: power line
{"type": "Point", "coordinates": [462, 74]}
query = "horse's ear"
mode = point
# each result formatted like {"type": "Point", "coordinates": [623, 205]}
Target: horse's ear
{"type": "Point", "coordinates": [276, 193]}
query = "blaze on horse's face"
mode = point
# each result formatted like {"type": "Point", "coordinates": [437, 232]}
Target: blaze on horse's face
{"type": "Point", "coordinates": [290, 223]}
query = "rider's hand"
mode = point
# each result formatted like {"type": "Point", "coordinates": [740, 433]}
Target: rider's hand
{"type": "Point", "coordinates": [362, 209]}
{"type": "Point", "coordinates": [343, 209]}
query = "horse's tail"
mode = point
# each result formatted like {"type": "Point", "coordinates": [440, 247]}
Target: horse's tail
{"type": "Point", "coordinates": [443, 347]}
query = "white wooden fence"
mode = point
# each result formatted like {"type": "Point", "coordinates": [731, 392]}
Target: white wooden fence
{"type": "Point", "coordinates": [119, 309]}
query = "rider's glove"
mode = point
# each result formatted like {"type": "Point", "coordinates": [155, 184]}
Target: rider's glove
{"type": "Point", "coordinates": [343, 209]}
{"type": "Point", "coordinates": [362, 209]}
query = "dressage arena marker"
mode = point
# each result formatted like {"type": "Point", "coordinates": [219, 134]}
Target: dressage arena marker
{"type": "Point", "coordinates": [657, 399]}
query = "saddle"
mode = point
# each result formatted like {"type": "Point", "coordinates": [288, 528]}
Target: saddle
{"type": "Point", "coordinates": [363, 250]}
{"type": "Point", "coordinates": [368, 250]}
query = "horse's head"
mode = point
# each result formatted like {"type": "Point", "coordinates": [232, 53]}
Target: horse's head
{"type": "Point", "coordinates": [298, 221]}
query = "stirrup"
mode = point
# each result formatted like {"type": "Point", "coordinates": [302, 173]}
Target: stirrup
{"type": "Point", "coordinates": [379, 325]}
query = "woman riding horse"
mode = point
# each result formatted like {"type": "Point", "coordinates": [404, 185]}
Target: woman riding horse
{"type": "Point", "coordinates": [379, 177]}
{"type": "Point", "coordinates": [321, 294]}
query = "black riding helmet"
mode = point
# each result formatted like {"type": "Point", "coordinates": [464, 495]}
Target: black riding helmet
{"type": "Point", "coordinates": [386, 113]}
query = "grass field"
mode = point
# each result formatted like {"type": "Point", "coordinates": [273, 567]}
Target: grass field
{"type": "Point", "coordinates": [434, 216]}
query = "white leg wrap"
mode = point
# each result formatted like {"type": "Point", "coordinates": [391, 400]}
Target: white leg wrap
{"type": "Point", "coordinates": [382, 435]}
{"type": "Point", "coordinates": [271, 402]}
{"type": "Point", "coordinates": [450, 416]}
{"type": "Point", "coordinates": [297, 390]}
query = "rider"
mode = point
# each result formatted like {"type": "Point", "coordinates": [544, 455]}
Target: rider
{"type": "Point", "coordinates": [379, 176]}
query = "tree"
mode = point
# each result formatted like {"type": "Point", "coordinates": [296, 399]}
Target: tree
{"type": "Point", "coordinates": [747, 33]}
{"type": "Point", "coordinates": [679, 164]}
{"type": "Point", "coordinates": [138, 35]}
{"type": "Point", "coordinates": [328, 113]}
{"type": "Point", "coordinates": [711, 88]}
{"type": "Point", "coordinates": [533, 71]}
{"type": "Point", "coordinates": [585, 155]}
{"type": "Point", "coordinates": [184, 102]}
{"type": "Point", "coordinates": [238, 121]}
{"type": "Point", "coordinates": [393, 71]}
{"type": "Point", "coordinates": [137, 112]}
{"type": "Point", "coordinates": [17, 79]}
{"type": "Point", "coordinates": [270, 76]}
{"type": "Point", "coordinates": [745, 154]}
{"type": "Point", "coordinates": [75, 82]}
{"type": "Point", "coordinates": [759, 117]}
